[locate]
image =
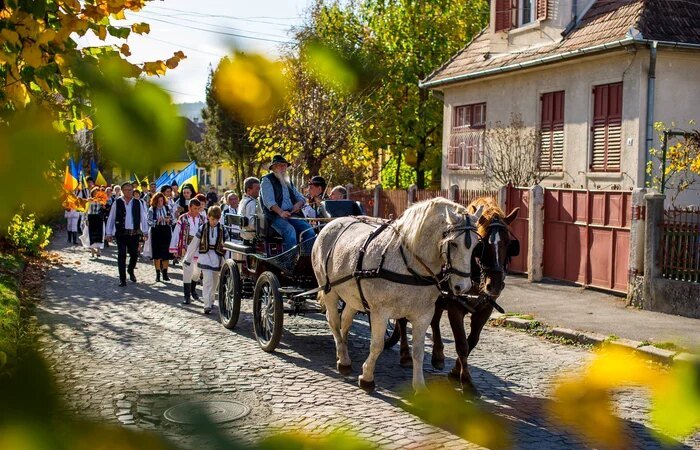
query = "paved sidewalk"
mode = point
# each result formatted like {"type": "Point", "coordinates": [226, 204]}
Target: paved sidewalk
{"type": "Point", "coordinates": [563, 305]}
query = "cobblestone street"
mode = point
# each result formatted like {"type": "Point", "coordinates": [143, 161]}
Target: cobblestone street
{"type": "Point", "coordinates": [126, 354]}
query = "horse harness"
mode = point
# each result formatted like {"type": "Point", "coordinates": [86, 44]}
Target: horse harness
{"type": "Point", "coordinates": [413, 278]}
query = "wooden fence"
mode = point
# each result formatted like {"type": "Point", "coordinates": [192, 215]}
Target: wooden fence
{"type": "Point", "coordinates": [392, 203]}
{"type": "Point", "coordinates": [680, 245]}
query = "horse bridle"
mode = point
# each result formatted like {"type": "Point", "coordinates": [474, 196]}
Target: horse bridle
{"type": "Point", "coordinates": [454, 232]}
{"type": "Point", "coordinates": [513, 248]}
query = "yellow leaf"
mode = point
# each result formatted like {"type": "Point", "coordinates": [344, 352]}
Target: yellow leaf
{"type": "Point", "coordinates": [72, 4]}
{"type": "Point", "coordinates": [10, 36]}
{"type": "Point", "coordinates": [32, 55]}
{"type": "Point", "coordinates": [179, 54]}
{"type": "Point", "coordinates": [42, 84]}
{"type": "Point", "coordinates": [125, 50]}
{"type": "Point", "coordinates": [46, 36]}
{"type": "Point", "coordinates": [120, 15]}
{"type": "Point", "coordinates": [155, 68]}
{"type": "Point", "coordinates": [17, 92]}
{"type": "Point", "coordinates": [141, 28]}
{"type": "Point", "coordinates": [102, 32]}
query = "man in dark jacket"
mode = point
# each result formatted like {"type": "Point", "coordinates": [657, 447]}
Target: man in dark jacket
{"type": "Point", "coordinates": [281, 202]}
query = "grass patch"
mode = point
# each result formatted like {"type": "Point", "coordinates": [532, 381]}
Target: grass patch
{"type": "Point", "coordinates": [11, 329]}
{"type": "Point", "coordinates": [520, 316]}
{"type": "Point", "coordinates": [612, 338]}
{"type": "Point", "coordinates": [669, 346]}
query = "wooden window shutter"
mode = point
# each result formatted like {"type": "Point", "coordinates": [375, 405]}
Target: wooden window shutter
{"type": "Point", "coordinates": [542, 9]}
{"type": "Point", "coordinates": [607, 128]}
{"type": "Point", "coordinates": [506, 13]}
{"type": "Point", "coordinates": [552, 132]}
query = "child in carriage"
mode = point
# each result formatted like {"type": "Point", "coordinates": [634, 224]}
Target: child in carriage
{"type": "Point", "coordinates": [208, 248]}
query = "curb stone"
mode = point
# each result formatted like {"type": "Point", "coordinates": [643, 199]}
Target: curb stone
{"type": "Point", "coordinates": [649, 352]}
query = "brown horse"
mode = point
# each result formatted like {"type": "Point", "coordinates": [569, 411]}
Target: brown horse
{"type": "Point", "coordinates": [489, 265]}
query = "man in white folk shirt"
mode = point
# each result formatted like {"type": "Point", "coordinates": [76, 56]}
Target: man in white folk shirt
{"type": "Point", "coordinates": [127, 223]}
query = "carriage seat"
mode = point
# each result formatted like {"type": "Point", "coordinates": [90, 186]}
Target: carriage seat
{"type": "Point", "coordinates": [342, 208]}
{"type": "Point", "coordinates": [239, 247]}
{"type": "Point", "coordinates": [264, 229]}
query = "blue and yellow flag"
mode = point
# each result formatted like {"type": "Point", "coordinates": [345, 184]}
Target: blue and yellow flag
{"type": "Point", "coordinates": [96, 174]}
{"type": "Point", "coordinates": [70, 179]}
{"type": "Point", "coordinates": [188, 175]}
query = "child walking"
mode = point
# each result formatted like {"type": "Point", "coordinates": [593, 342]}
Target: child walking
{"type": "Point", "coordinates": [208, 247]}
{"type": "Point", "coordinates": [72, 217]}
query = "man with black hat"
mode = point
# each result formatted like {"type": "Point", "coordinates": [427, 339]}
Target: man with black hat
{"type": "Point", "coordinates": [317, 194]}
{"type": "Point", "coordinates": [280, 201]}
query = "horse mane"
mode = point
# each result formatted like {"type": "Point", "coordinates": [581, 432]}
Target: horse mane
{"type": "Point", "coordinates": [491, 211]}
{"type": "Point", "coordinates": [426, 213]}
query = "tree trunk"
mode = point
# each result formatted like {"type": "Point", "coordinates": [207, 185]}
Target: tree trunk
{"type": "Point", "coordinates": [420, 157]}
{"type": "Point", "coordinates": [397, 177]}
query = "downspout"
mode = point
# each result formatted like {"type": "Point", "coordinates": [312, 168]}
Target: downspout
{"type": "Point", "coordinates": [651, 89]}
{"type": "Point", "coordinates": [574, 18]}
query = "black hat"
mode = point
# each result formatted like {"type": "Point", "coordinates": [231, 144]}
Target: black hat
{"type": "Point", "coordinates": [318, 180]}
{"type": "Point", "coordinates": [278, 159]}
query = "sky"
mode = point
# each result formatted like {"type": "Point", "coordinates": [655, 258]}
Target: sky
{"type": "Point", "coordinates": [207, 30]}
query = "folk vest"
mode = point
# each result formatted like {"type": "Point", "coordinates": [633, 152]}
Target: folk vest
{"type": "Point", "coordinates": [120, 220]}
{"type": "Point", "coordinates": [277, 187]}
{"type": "Point", "coordinates": [205, 245]}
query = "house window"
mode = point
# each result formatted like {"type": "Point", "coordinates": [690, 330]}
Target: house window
{"type": "Point", "coordinates": [606, 129]}
{"type": "Point", "coordinates": [219, 177]}
{"type": "Point", "coordinates": [551, 156]}
{"type": "Point", "coordinates": [467, 136]}
{"type": "Point", "coordinates": [517, 13]}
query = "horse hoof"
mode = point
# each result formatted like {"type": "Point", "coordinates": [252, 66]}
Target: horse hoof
{"type": "Point", "coordinates": [367, 386]}
{"type": "Point", "coordinates": [406, 362]}
{"type": "Point", "coordinates": [344, 370]}
{"type": "Point", "coordinates": [437, 363]}
{"type": "Point", "coordinates": [453, 376]}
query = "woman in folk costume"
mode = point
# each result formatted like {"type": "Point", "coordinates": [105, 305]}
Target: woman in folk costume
{"type": "Point", "coordinates": [185, 230]}
{"type": "Point", "coordinates": [94, 226]}
{"type": "Point", "coordinates": [208, 249]}
{"type": "Point", "coordinates": [159, 220]}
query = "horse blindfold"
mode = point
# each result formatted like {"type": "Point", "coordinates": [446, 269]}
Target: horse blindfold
{"type": "Point", "coordinates": [513, 248]}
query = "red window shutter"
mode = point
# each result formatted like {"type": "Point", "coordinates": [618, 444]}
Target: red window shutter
{"type": "Point", "coordinates": [542, 7]}
{"type": "Point", "coordinates": [504, 14]}
{"type": "Point", "coordinates": [552, 131]}
{"type": "Point", "coordinates": [607, 128]}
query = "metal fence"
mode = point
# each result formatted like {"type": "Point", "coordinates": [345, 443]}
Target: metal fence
{"type": "Point", "coordinates": [466, 196]}
{"type": "Point", "coordinates": [680, 245]}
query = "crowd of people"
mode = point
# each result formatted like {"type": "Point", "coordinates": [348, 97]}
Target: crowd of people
{"type": "Point", "coordinates": [175, 224]}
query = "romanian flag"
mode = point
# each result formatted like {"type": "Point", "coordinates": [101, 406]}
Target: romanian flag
{"type": "Point", "coordinates": [188, 175]}
{"type": "Point", "coordinates": [70, 179]}
{"type": "Point", "coordinates": [96, 174]}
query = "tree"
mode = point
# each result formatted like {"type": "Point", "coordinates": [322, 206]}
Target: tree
{"type": "Point", "coordinates": [50, 88]}
{"type": "Point", "coordinates": [226, 138]}
{"type": "Point", "coordinates": [682, 166]}
{"type": "Point", "coordinates": [511, 153]}
{"type": "Point", "coordinates": [415, 37]}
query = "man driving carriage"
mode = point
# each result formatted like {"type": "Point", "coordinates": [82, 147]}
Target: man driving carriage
{"type": "Point", "coordinates": [282, 203]}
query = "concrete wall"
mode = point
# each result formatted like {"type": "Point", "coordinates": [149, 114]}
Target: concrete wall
{"type": "Point", "coordinates": [519, 92]}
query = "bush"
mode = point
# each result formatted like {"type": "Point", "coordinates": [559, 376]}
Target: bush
{"type": "Point", "coordinates": [26, 235]}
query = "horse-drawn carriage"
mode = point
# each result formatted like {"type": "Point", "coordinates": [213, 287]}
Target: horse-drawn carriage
{"type": "Point", "coordinates": [274, 279]}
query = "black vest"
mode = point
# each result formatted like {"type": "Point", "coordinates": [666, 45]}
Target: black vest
{"type": "Point", "coordinates": [120, 220]}
{"type": "Point", "coordinates": [277, 187]}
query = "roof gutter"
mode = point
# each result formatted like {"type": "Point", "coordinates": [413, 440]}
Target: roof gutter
{"type": "Point", "coordinates": [553, 58]}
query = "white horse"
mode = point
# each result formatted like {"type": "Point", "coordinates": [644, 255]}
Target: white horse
{"type": "Point", "coordinates": [436, 238]}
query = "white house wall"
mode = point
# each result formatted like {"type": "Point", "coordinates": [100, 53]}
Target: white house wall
{"type": "Point", "coordinates": [519, 92]}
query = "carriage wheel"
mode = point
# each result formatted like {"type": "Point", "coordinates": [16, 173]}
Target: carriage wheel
{"type": "Point", "coordinates": [392, 334]}
{"type": "Point", "coordinates": [229, 295]}
{"type": "Point", "coordinates": [268, 311]}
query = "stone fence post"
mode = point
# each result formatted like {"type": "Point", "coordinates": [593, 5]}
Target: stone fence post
{"type": "Point", "coordinates": [377, 198]}
{"type": "Point", "coordinates": [652, 246]}
{"type": "Point", "coordinates": [412, 194]}
{"type": "Point", "coordinates": [636, 250]}
{"type": "Point", "coordinates": [502, 198]}
{"type": "Point", "coordinates": [535, 249]}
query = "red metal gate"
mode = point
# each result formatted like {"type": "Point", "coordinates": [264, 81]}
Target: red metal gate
{"type": "Point", "coordinates": [519, 198]}
{"type": "Point", "coordinates": [586, 237]}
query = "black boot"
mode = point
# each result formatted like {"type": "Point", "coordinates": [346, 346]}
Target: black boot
{"type": "Point", "coordinates": [157, 275]}
{"type": "Point", "coordinates": [186, 289]}
{"type": "Point", "coordinates": [165, 275]}
{"type": "Point", "coordinates": [194, 290]}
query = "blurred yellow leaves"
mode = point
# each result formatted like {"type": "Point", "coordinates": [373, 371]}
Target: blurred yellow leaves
{"type": "Point", "coordinates": [330, 69]}
{"type": "Point", "coordinates": [10, 36]}
{"type": "Point", "coordinates": [444, 407]}
{"type": "Point", "coordinates": [583, 401]}
{"type": "Point", "coordinates": [155, 68]}
{"type": "Point", "coordinates": [250, 87]}
{"type": "Point", "coordinates": [27, 142]}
